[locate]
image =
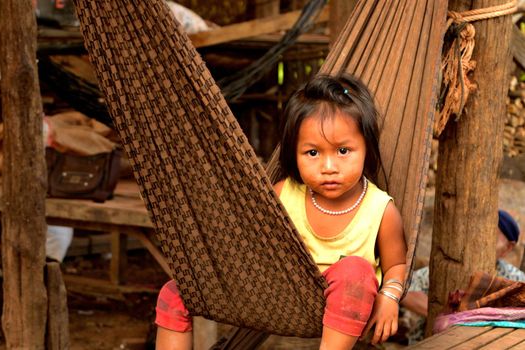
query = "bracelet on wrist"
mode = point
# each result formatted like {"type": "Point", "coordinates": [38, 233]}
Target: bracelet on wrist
{"type": "Point", "coordinates": [393, 286]}
{"type": "Point", "coordinates": [396, 281]}
{"type": "Point", "coordinates": [389, 295]}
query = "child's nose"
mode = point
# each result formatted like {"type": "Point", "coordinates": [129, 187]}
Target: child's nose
{"type": "Point", "coordinates": [329, 165]}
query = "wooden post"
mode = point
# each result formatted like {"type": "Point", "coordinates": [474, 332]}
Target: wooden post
{"type": "Point", "coordinates": [58, 319]}
{"type": "Point", "coordinates": [24, 180]}
{"type": "Point", "coordinates": [470, 155]}
{"type": "Point", "coordinates": [340, 10]}
{"type": "Point", "coordinates": [119, 257]}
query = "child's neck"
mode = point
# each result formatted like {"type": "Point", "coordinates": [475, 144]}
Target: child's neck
{"type": "Point", "coordinates": [328, 221]}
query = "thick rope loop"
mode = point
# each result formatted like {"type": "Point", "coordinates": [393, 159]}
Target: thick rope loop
{"type": "Point", "coordinates": [484, 13]}
{"type": "Point", "coordinates": [457, 60]}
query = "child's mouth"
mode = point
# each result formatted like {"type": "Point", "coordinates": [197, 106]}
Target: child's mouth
{"type": "Point", "coordinates": [330, 185]}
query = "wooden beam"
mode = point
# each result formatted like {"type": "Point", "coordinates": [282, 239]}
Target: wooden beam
{"type": "Point", "coordinates": [248, 29]}
{"type": "Point", "coordinates": [154, 251]}
{"type": "Point", "coordinates": [119, 257]}
{"type": "Point", "coordinates": [24, 178]}
{"type": "Point", "coordinates": [470, 156]}
{"type": "Point", "coordinates": [97, 287]}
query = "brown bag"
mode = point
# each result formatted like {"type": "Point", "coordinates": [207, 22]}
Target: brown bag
{"type": "Point", "coordinates": [82, 177]}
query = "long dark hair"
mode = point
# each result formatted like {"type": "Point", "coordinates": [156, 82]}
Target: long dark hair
{"type": "Point", "coordinates": [323, 95]}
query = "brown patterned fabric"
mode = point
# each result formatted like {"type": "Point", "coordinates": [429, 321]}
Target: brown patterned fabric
{"type": "Point", "coordinates": [233, 251]}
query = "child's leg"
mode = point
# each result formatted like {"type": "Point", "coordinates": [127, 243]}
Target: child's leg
{"type": "Point", "coordinates": [174, 320]}
{"type": "Point", "coordinates": [352, 288]}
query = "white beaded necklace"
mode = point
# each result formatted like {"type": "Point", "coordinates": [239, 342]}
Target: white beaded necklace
{"type": "Point", "coordinates": [344, 211]}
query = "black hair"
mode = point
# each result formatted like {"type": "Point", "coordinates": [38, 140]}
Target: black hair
{"type": "Point", "coordinates": [324, 95]}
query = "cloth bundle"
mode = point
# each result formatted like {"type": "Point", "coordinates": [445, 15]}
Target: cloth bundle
{"type": "Point", "coordinates": [488, 298]}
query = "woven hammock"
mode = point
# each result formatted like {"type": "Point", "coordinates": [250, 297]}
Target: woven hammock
{"type": "Point", "coordinates": [233, 251]}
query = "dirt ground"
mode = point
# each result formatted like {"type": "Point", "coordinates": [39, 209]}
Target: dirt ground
{"type": "Point", "coordinates": [125, 321]}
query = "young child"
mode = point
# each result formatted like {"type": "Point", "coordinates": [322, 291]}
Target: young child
{"type": "Point", "coordinates": [330, 156]}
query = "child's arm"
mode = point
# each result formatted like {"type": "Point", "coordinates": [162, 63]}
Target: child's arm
{"type": "Point", "coordinates": [392, 253]}
{"type": "Point", "coordinates": [278, 187]}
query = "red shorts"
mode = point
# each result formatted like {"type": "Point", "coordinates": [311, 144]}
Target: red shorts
{"type": "Point", "coordinates": [352, 288]}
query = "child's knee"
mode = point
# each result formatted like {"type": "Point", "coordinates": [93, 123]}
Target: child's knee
{"type": "Point", "coordinates": [350, 296]}
{"type": "Point", "coordinates": [352, 270]}
{"type": "Point", "coordinates": [352, 279]}
{"type": "Point", "coordinates": [171, 312]}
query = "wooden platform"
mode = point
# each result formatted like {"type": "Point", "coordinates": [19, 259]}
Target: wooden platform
{"type": "Point", "coordinates": [468, 338]}
{"type": "Point", "coordinates": [124, 215]}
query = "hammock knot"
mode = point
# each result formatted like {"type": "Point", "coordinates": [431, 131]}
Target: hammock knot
{"type": "Point", "coordinates": [455, 17]}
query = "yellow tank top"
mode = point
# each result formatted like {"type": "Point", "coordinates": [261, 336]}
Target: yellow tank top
{"type": "Point", "coordinates": [357, 239]}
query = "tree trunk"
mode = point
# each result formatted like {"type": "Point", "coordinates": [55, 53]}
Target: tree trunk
{"type": "Point", "coordinates": [470, 156]}
{"type": "Point", "coordinates": [24, 180]}
{"type": "Point", "coordinates": [340, 11]}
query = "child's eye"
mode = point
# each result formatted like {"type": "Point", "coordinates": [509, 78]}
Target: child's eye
{"type": "Point", "coordinates": [312, 153]}
{"type": "Point", "coordinates": [343, 150]}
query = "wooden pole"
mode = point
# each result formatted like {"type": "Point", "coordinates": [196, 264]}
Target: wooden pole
{"type": "Point", "coordinates": [24, 180]}
{"type": "Point", "coordinates": [470, 156]}
{"type": "Point", "coordinates": [340, 11]}
{"type": "Point", "coordinates": [58, 319]}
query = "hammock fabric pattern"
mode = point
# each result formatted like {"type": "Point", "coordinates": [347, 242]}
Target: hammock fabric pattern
{"type": "Point", "coordinates": [232, 249]}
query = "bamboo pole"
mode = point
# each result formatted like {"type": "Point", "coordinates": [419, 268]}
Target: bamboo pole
{"type": "Point", "coordinates": [24, 179]}
{"type": "Point", "coordinates": [470, 155]}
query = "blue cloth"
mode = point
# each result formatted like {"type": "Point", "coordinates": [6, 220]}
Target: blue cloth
{"type": "Point", "coordinates": [508, 226]}
{"type": "Point", "coordinates": [504, 324]}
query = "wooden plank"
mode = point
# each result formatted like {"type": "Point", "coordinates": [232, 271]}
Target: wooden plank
{"type": "Point", "coordinates": [97, 243]}
{"type": "Point", "coordinates": [513, 338]}
{"type": "Point", "coordinates": [98, 287]}
{"type": "Point", "coordinates": [484, 339]}
{"type": "Point", "coordinates": [450, 338]}
{"type": "Point", "coordinates": [57, 337]}
{"type": "Point", "coordinates": [126, 208]}
{"type": "Point", "coordinates": [519, 346]}
{"type": "Point", "coordinates": [251, 28]}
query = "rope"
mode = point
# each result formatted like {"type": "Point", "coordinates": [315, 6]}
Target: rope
{"type": "Point", "coordinates": [485, 13]}
{"type": "Point", "coordinates": [457, 60]}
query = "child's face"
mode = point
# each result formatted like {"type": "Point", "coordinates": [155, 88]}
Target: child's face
{"type": "Point", "coordinates": [331, 156]}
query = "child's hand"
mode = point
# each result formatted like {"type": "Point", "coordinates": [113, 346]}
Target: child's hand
{"type": "Point", "coordinates": [384, 316]}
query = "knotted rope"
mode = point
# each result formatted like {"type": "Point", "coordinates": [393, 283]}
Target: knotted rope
{"type": "Point", "coordinates": [457, 61]}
